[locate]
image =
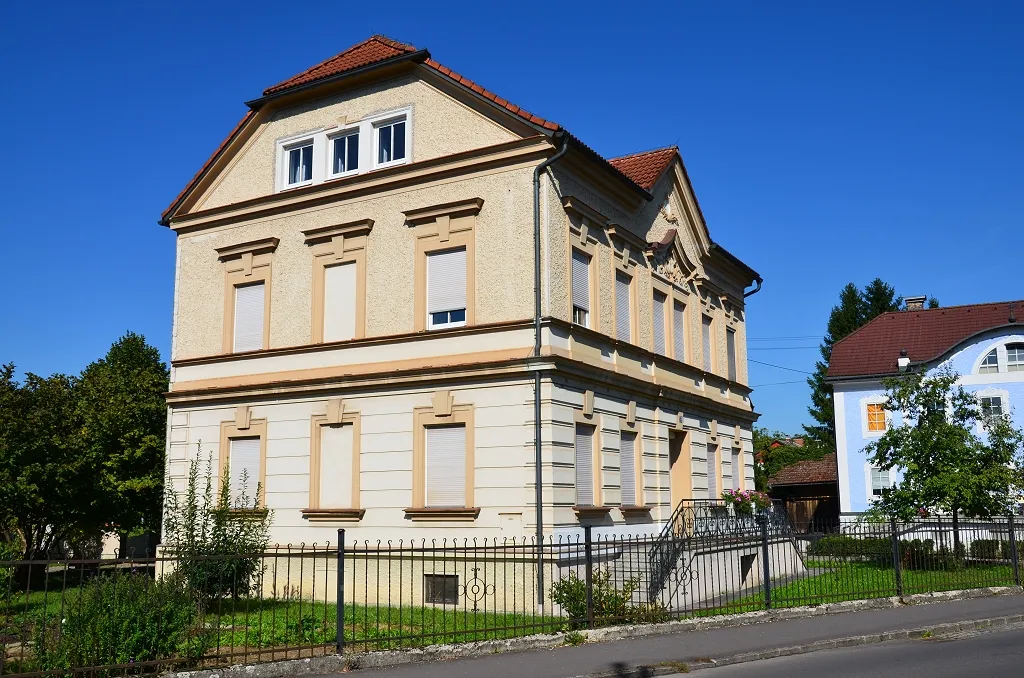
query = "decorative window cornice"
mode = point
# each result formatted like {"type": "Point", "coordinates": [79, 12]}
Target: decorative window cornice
{"type": "Point", "coordinates": [253, 247]}
{"type": "Point", "coordinates": [351, 229]}
{"type": "Point", "coordinates": [460, 208]}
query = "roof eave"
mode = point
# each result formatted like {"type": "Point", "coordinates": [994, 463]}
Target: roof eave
{"type": "Point", "coordinates": [736, 261]}
{"type": "Point", "coordinates": [418, 56]}
{"type": "Point", "coordinates": [588, 151]}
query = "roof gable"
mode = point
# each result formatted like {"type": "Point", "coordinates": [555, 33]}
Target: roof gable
{"type": "Point", "coordinates": [373, 50]}
{"type": "Point", "coordinates": [925, 335]}
{"type": "Point", "coordinates": [645, 168]}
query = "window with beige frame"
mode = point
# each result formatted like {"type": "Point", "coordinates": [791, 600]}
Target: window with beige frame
{"type": "Point", "coordinates": [631, 483]}
{"type": "Point", "coordinates": [707, 342]}
{"type": "Point", "coordinates": [242, 459]}
{"type": "Point", "coordinates": [339, 280]}
{"type": "Point", "coordinates": [585, 224]}
{"type": "Point", "coordinates": [247, 287]}
{"type": "Point", "coordinates": [445, 266]}
{"type": "Point", "coordinates": [443, 461]}
{"type": "Point", "coordinates": [587, 461]}
{"type": "Point", "coordinates": [334, 465]}
{"type": "Point", "coordinates": [624, 272]}
{"type": "Point", "coordinates": [680, 338]}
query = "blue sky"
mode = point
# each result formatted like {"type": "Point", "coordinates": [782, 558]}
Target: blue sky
{"type": "Point", "coordinates": [827, 142]}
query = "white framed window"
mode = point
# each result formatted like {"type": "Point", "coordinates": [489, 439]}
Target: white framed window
{"type": "Point", "coordinates": [875, 418]}
{"type": "Point", "coordinates": [1015, 357]}
{"type": "Point", "coordinates": [446, 288]}
{"type": "Point", "coordinates": [991, 406]}
{"type": "Point", "coordinates": [344, 150]}
{"type": "Point", "coordinates": [627, 467]}
{"type": "Point", "coordinates": [990, 363]}
{"type": "Point", "coordinates": [580, 288]}
{"type": "Point", "coordinates": [623, 320]}
{"type": "Point", "coordinates": [390, 141]}
{"type": "Point", "coordinates": [660, 304]}
{"type": "Point", "coordinates": [446, 466]}
{"type": "Point", "coordinates": [298, 163]}
{"type": "Point", "coordinates": [584, 450]}
{"type": "Point", "coordinates": [880, 480]}
{"type": "Point", "coordinates": [250, 308]}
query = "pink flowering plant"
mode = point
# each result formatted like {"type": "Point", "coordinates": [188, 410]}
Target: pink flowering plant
{"type": "Point", "coordinates": [746, 501]}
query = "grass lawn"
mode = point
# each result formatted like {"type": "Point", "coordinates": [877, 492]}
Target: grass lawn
{"type": "Point", "coordinates": [273, 623]}
{"type": "Point", "coordinates": [853, 580]}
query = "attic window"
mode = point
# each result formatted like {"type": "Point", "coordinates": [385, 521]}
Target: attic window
{"type": "Point", "coordinates": [990, 364]}
{"type": "Point", "coordinates": [300, 163]}
{"type": "Point", "coordinates": [1014, 358]}
{"type": "Point", "coordinates": [391, 142]}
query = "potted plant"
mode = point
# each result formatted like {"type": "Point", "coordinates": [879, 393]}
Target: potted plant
{"type": "Point", "coordinates": [746, 502]}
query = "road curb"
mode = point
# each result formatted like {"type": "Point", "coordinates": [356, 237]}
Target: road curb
{"type": "Point", "coordinates": [389, 658]}
{"type": "Point", "coordinates": [934, 631]}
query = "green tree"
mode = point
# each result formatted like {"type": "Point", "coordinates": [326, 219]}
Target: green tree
{"type": "Point", "coordinates": [770, 460]}
{"type": "Point", "coordinates": [946, 466]}
{"type": "Point", "coordinates": [123, 422]}
{"type": "Point", "coordinates": [855, 309]}
{"type": "Point", "coordinates": [44, 480]}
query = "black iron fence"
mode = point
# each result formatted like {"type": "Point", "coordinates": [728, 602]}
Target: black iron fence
{"type": "Point", "coordinates": [143, 615]}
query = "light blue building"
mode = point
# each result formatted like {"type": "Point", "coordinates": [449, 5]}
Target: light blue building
{"type": "Point", "coordinates": [983, 343]}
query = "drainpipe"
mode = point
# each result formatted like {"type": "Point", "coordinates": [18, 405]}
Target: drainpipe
{"type": "Point", "coordinates": [537, 449]}
{"type": "Point", "coordinates": [753, 291]}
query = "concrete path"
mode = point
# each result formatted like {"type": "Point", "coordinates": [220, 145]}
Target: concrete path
{"type": "Point", "coordinates": [689, 647]}
{"type": "Point", "coordinates": [994, 653]}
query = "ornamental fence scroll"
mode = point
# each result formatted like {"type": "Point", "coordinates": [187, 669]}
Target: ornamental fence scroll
{"type": "Point", "coordinates": [136, 615]}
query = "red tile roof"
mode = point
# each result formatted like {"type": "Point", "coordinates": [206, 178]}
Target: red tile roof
{"type": "Point", "coordinates": [375, 49]}
{"type": "Point", "coordinates": [926, 335]}
{"type": "Point", "coordinates": [645, 168]}
{"type": "Point", "coordinates": [824, 470]}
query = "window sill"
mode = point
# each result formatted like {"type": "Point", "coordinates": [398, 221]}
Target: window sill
{"type": "Point", "coordinates": [634, 510]}
{"type": "Point", "coordinates": [248, 514]}
{"type": "Point", "coordinates": [346, 515]}
{"type": "Point", "coordinates": [446, 514]}
{"type": "Point", "coordinates": [591, 511]}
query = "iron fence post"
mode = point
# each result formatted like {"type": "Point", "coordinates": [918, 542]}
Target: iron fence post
{"type": "Point", "coordinates": [766, 570]}
{"type": "Point", "coordinates": [588, 547]}
{"type": "Point", "coordinates": [1013, 551]}
{"type": "Point", "coordinates": [897, 566]}
{"type": "Point", "coordinates": [339, 632]}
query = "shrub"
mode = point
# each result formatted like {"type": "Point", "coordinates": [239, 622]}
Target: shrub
{"type": "Point", "coordinates": [124, 618]}
{"type": "Point", "coordinates": [845, 546]}
{"type": "Point", "coordinates": [9, 550]}
{"type": "Point", "coordinates": [989, 549]}
{"type": "Point", "coordinates": [611, 603]}
{"type": "Point", "coordinates": [217, 543]}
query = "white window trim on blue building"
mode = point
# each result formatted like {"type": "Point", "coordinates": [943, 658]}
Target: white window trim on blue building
{"type": "Point", "coordinates": [990, 392]}
{"type": "Point", "coordinates": [873, 400]}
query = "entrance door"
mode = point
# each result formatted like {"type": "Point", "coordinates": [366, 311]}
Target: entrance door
{"type": "Point", "coordinates": [679, 467]}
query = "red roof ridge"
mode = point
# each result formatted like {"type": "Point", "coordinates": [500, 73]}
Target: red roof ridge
{"type": "Point", "coordinates": [310, 74]}
{"type": "Point", "coordinates": [673, 147]}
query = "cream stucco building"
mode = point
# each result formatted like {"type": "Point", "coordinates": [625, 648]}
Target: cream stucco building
{"type": "Point", "coordinates": [357, 321]}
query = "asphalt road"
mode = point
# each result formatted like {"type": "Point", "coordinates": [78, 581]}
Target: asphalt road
{"type": "Point", "coordinates": [998, 653]}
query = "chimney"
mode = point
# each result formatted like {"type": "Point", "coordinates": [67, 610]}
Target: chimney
{"type": "Point", "coordinates": [916, 303]}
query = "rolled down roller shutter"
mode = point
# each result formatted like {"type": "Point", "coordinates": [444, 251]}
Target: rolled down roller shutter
{"type": "Point", "coordinates": [584, 465]}
{"type": "Point", "coordinates": [730, 349]}
{"type": "Point", "coordinates": [336, 466]}
{"type": "Point", "coordinates": [627, 468]}
{"type": "Point", "coordinates": [340, 302]}
{"type": "Point", "coordinates": [659, 323]}
{"type": "Point", "coordinates": [679, 331]}
{"type": "Point", "coordinates": [446, 466]}
{"type": "Point", "coordinates": [244, 470]}
{"type": "Point", "coordinates": [706, 342]}
{"type": "Point", "coordinates": [581, 280]}
{"type": "Point", "coordinates": [446, 280]}
{"type": "Point", "coordinates": [249, 308]}
{"type": "Point", "coordinates": [712, 470]}
{"type": "Point", "coordinates": [622, 324]}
